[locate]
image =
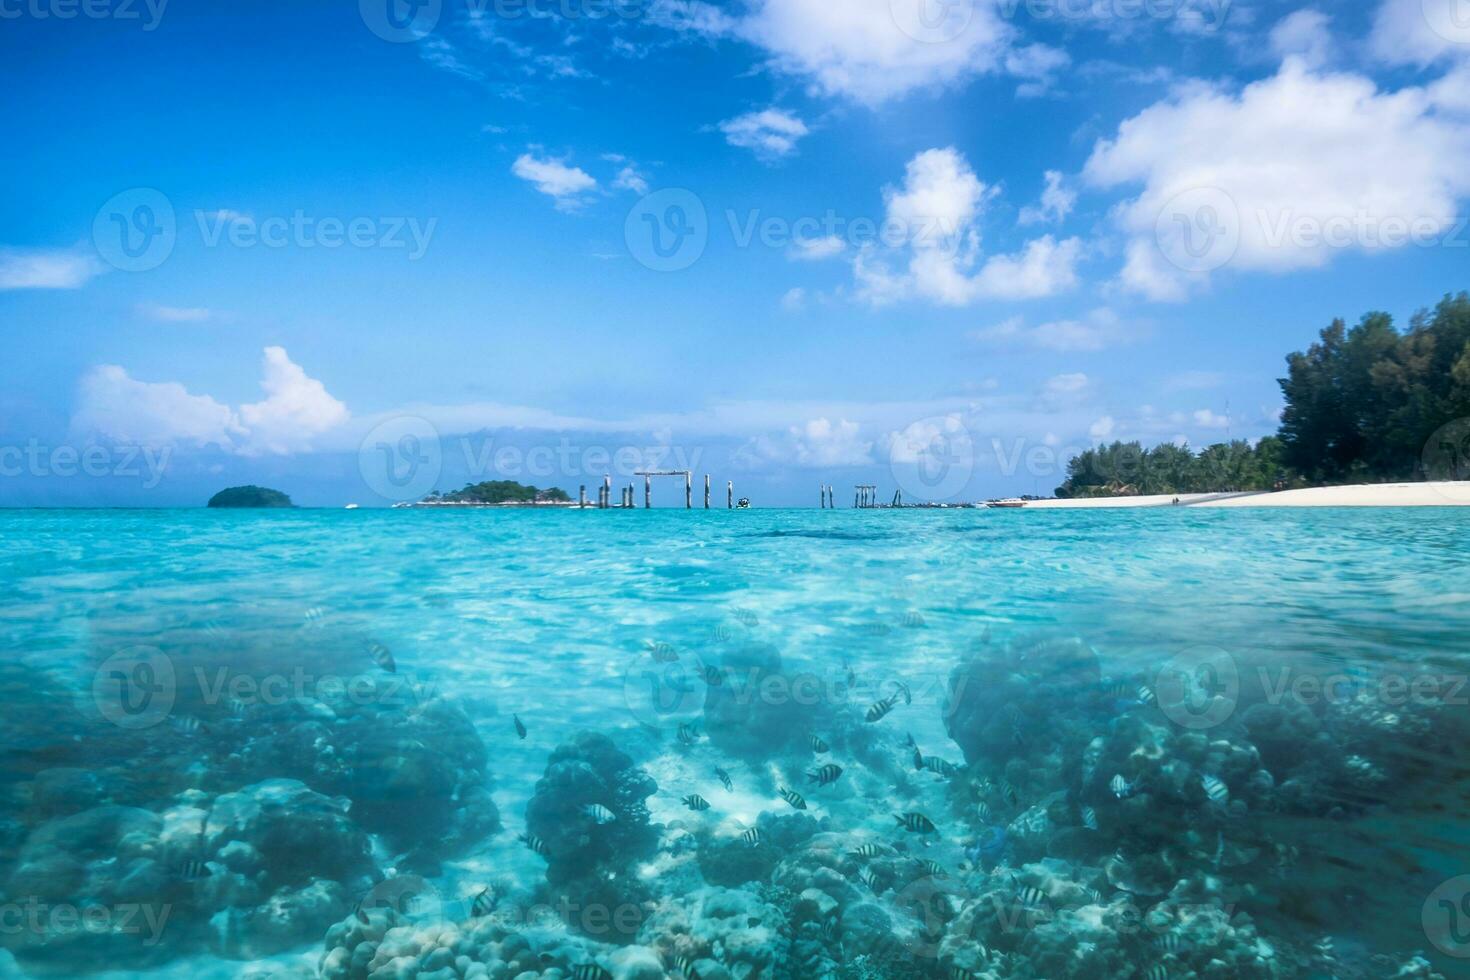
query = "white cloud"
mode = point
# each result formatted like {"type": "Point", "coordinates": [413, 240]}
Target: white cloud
{"type": "Point", "coordinates": [554, 179]}
{"type": "Point", "coordinates": [794, 300]}
{"type": "Point", "coordinates": [1066, 384]}
{"type": "Point", "coordinates": [1420, 32]}
{"type": "Point", "coordinates": [1306, 34]}
{"type": "Point", "coordinates": [816, 249]}
{"type": "Point", "coordinates": [46, 268]}
{"type": "Point", "coordinates": [1057, 201]}
{"type": "Point", "coordinates": [1102, 428]}
{"type": "Point", "coordinates": [821, 442]}
{"type": "Point", "coordinates": [296, 410]}
{"type": "Point", "coordinates": [176, 314]}
{"type": "Point", "coordinates": [937, 210]}
{"type": "Point", "coordinates": [629, 179]}
{"type": "Point", "coordinates": [871, 50]}
{"type": "Point", "coordinates": [1299, 150]}
{"type": "Point", "coordinates": [1099, 330]}
{"type": "Point", "coordinates": [770, 133]}
{"type": "Point", "coordinates": [1206, 419]}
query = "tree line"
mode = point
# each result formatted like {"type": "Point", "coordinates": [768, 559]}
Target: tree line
{"type": "Point", "coordinates": [1366, 404]}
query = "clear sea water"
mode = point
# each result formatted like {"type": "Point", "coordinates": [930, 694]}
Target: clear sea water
{"type": "Point", "coordinates": [561, 618]}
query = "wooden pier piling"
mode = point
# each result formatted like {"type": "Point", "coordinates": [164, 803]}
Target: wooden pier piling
{"type": "Point", "coordinates": [706, 491]}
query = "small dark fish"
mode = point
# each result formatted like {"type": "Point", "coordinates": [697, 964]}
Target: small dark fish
{"type": "Point", "coordinates": [725, 779]}
{"type": "Point", "coordinates": [685, 965]}
{"type": "Point", "coordinates": [688, 734]}
{"type": "Point", "coordinates": [933, 869]}
{"type": "Point", "coordinates": [1009, 794]}
{"type": "Point", "coordinates": [753, 836]}
{"type": "Point", "coordinates": [915, 823]}
{"type": "Point", "coordinates": [695, 802]}
{"type": "Point", "coordinates": [880, 709]}
{"type": "Point", "coordinates": [189, 725]}
{"type": "Point", "coordinates": [819, 746]}
{"type": "Point", "coordinates": [1089, 818]}
{"type": "Point", "coordinates": [1146, 696]}
{"type": "Point", "coordinates": [662, 653]}
{"type": "Point", "coordinates": [831, 930]}
{"type": "Point", "coordinates": [520, 726]}
{"type": "Point", "coordinates": [960, 973]}
{"type": "Point", "coordinates": [599, 814]}
{"type": "Point", "coordinates": [826, 774]}
{"type": "Point", "coordinates": [193, 869]}
{"type": "Point", "coordinates": [913, 620]}
{"type": "Point", "coordinates": [982, 809]}
{"type": "Point", "coordinates": [1170, 942]}
{"type": "Point", "coordinates": [483, 904]}
{"type": "Point", "coordinates": [535, 843]}
{"type": "Point", "coordinates": [1031, 897]}
{"type": "Point", "coordinates": [712, 675]}
{"type": "Point", "coordinates": [590, 971]}
{"type": "Point", "coordinates": [940, 766]}
{"type": "Point", "coordinates": [1157, 972]}
{"type": "Point", "coordinates": [382, 657]}
{"type": "Point", "coordinates": [238, 708]}
{"type": "Point", "coordinates": [1119, 786]}
{"type": "Point", "coordinates": [918, 760]}
{"type": "Point", "coordinates": [1215, 789]}
{"type": "Point", "coordinates": [746, 617]}
{"type": "Point", "coordinates": [867, 850]}
{"type": "Point", "coordinates": [360, 915]}
{"type": "Point", "coordinates": [792, 797]}
{"type": "Point", "coordinates": [867, 877]}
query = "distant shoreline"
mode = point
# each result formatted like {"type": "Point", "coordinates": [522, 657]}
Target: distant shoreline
{"type": "Point", "coordinates": [1434, 494]}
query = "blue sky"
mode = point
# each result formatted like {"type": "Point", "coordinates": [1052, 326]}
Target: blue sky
{"type": "Point", "coordinates": [930, 244]}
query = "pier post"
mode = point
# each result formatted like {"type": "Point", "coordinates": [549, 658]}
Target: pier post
{"type": "Point", "coordinates": [730, 495]}
{"type": "Point", "coordinates": [606, 490]}
{"type": "Point", "coordinates": [688, 490]}
{"type": "Point", "coordinates": [582, 496]}
{"type": "Point", "coordinates": [647, 492]}
{"type": "Point", "coordinates": [706, 491]}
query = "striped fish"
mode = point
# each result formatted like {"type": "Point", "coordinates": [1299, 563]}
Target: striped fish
{"type": "Point", "coordinates": [819, 746]}
{"type": "Point", "coordinates": [520, 726]}
{"type": "Point", "coordinates": [792, 797]}
{"type": "Point", "coordinates": [915, 823]}
{"type": "Point", "coordinates": [688, 734]}
{"type": "Point", "coordinates": [941, 766]}
{"type": "Point", "coordinates": [753, 836]}
{"type": "Point", "coordinates": [867, 850]}
{"type": "Point", "coordinates": [1094, 897]}
{"type": "Point", "coordinates": [1170, 942]}
{"type": "Point", "coordinates": [1009, 794]}
{"type": "Point", "coordinates": [724, 778]}
{"type": "Point", "coordinates": [826, 774]}
{"type": "Point", "coordinates": [982, 810]}
{"type": "Point", "coordinates": [238, 708]}
{"type": "Point", "coordinates": [535, 843]}
{"type": "Point", "coordinates": [590, 971]}
{"type": "Point", "coordinates": [1119, 786]}
{"type": "Point", "coordinates": [1145, 695]}
{"type": "Point", "coordinates": [482, 905]}
{"type": "Point", "coordinates": [685, 966]}
{"type": "Point", "coordinates": [662, 653]}
{"type": "Point", "coordinates": [831, 930]}
{"type": "Point", "coordinates": [192, 869]}
{"type": "Point", "coordinates": [712, 675]}
{"type": "Point", "coordinates": [880, 709]}
{"type": "Point", "coordinates": [1215, 789]}
{"type": "Point", "coordinates": [382, 657]}
{"type": "Point", "coordinates": [1031, 897]}
{"type": "Point", "coordinates": [360, 915]}
{"type": "Point", "coordinates": [867, 877]}
{"type": "Point", "coordinates": [1156, 972]}
{"type": "Point", "coordinates": [695, 802]}
{"type": "Point", "coordinates": [188, 725]}
{"type": "Point", "coordinates": [960, 973]}
{"type": "Point", "coordinates": [913, 620]}
{"type": "Point", "coordinates": [313, 616]}
{"type": "Point", "coordinates": [1089, 818]}
{"type": "Point", "coordinates": [918, 760]}
{"type": "Point", "coordinates": [599, 814]}
{"type": "Point", "coordinates": [745, 617]}
{"type": "Point", "coordinates": [933, 869]}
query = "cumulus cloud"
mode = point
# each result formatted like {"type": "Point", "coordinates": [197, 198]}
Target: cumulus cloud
{"type": "Point", "coordinates": [817, 249]}
{"type": "Point", "coordinates": [629, 179]}
{"type": "Point", "coordinates": [555, 179]}
{"type": "Point", "coordinates": [46, 268]}
{"type": "Point", "coordinates": [872, 51]}
{"type": "Point", "coordinates": [770, 133]}
{"type": "Point", "coordinates": [794, 300]}
{"type": "Point", "coordinates": [1206, 419]}
{"type": "Point", "coordinates": [176, 314]}
{"type": "Point", "coordinates": [936, 213]}
{"type": "Point", "coordinates": [1282, 175]}
{"type": "Point", "coordinates": [1306, 34]}
{"type": "Point", "coordinates": [821, 442]}
{"type": "Point", "coordinates": [295, 411]}
{"type": "Point", "coordinates": [1420, 32]}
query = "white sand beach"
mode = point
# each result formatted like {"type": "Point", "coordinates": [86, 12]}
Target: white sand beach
{"type": "Point", "coordinates": [1442, 494]}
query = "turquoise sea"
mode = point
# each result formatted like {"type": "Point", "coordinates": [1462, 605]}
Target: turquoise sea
{"type": "Point", "coordinates": [1154, 744]}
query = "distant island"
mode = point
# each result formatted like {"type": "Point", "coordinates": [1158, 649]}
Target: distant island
{"type": "Point", "coordinates": [251, 496]}
{"type": "Point", "coordinates": [501, 493]}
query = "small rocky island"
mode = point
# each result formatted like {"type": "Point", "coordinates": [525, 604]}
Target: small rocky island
{"type": "Point", "coordinates": [251, 496]}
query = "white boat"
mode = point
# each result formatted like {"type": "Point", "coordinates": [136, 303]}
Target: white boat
{"type": "Point", "coordinates": [1009, 502]}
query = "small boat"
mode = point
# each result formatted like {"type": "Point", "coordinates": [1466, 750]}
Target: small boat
{"type": "Point", "coordinates": [1010, 503]}
{"type": "Point", "coordinates": [743, 503]}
